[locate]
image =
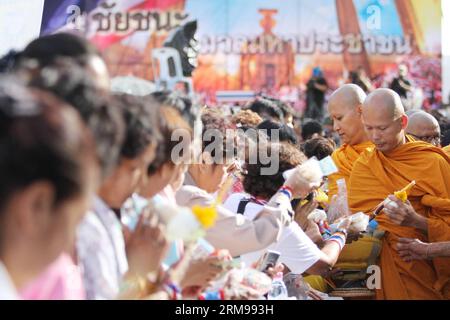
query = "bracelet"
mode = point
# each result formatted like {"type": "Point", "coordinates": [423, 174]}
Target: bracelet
{"type": "Point", "coordinates": [339, 240]}
{"type": "Point", "coordinates": [288, 188]}
{"type": "Point", "coordinates": [286, 191]}
{"type": "Point", "coordinates": [173, 290]}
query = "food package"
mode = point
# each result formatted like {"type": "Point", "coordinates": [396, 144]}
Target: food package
{"type": "Point", "coordinates": [359, 223]}
{"type": "Point", "coordinates": [317, 215]}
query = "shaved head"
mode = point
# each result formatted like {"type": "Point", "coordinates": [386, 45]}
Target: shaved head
{"type": "Point", "coordinates": [384, 119]}
{"type": "Point", "coordinates": [409, 113]}
{"type": "Point", "coordinates": [344, 107]}
{"type": "Point", "coordinates": [423, 126]}
{"type": "Point", "coordinates": [349, 95]}
{"type": "Point", "coordinates": [386, 101]}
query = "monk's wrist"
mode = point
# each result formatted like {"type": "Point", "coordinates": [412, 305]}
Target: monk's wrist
{"type": "Point", "coordinates": [432, 250]}
{"type": "Point", "coordinates": [421, 223]}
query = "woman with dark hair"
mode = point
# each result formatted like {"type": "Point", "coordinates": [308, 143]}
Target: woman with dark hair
{"type": "Point", "coordinates": [105, 257]}
{"type": "Point", "coordinates": [49, 172]}
{"type": "Point", "coordinates": [298, 253]}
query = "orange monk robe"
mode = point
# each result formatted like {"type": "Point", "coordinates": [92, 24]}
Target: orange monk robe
{"type": "Point", "coordinates": [374, 177]}
{"type": "Point", "coordinates": [447, 150]}
{"type": "Point", "coordinates": [344, 158]}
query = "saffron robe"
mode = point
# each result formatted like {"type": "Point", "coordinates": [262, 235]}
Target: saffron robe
{"type": "Point", "coordinates": [374, 177]}
{"type": "Point", "coordinates": [344, 158]}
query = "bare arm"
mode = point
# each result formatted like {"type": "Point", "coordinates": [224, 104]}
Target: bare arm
{"type": "Point", "coordinates": [439, 249]}
{"type": "Point", "coordinates": [414, 249]}
{"type": "Point", "coordinates": [328, 258]}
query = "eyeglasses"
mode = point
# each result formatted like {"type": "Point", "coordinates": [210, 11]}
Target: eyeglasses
{"type": "Point", "coordinates": [434, 139]}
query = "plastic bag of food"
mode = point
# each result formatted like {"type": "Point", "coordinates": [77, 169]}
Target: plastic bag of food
{"type": "Point", "coordinates": [339, 205]}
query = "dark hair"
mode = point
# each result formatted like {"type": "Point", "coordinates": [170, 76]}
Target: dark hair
{"type": "Point", "coordinates": [9, 61]}
{"type": "Point", "coordinates": [72, 84]}
{"type": "Point", "coordinates": [310, 128]}
{"type": "Point", "coordinates": [182, 103]}
{"type": "Point", "coordinates": [445, 141]}
{"type": "Point", "coordinates": [266, 108]}
{"type": "Point", "coordinates": [169, 120]}
{"type": "Point", "coordinates": [48, 48]}
{"type": "Point", "coordinates": [286, 133]}
{"type": "Point", "coordinates": [41, 138]}
{"type": "Point", "coordinates": [318, 147]}
{"type": "Point", "coordinates": [140, 124]}
{"type": "Point", "coordinates": [284, 107]}
{"type": "Point", "coordinates": [265, 186]}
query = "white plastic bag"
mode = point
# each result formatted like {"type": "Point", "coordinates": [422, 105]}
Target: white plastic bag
{"type": "Point", "coordinates": [359, 223]}
{"type": "Point", "coordinates": [339, 205]}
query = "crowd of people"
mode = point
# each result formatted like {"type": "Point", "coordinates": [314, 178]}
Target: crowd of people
{"type": "Point", "coordinates": [112, 195]}
{"type": "Point", "coordinates": [414, 80]}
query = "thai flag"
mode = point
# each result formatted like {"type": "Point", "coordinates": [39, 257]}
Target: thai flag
{"type": "Point", "coordinates": [57, 14]}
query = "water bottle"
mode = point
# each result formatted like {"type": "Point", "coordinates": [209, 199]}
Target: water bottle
{"type": "Point", "coordinates": [279, 290]}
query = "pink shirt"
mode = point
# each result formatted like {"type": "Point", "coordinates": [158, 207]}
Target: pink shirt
{"type": "Point", "coordinates": [60, 281]}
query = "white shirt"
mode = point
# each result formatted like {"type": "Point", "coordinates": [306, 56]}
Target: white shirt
{"type": "Point", "coordinates": [101, 252]}
{"type": "Point", "coordinates": [298, 252]}
{"type": "Point", "coordinates": [7, 289]}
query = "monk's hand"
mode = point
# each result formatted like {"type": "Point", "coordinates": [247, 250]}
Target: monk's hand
{"type": "Point", "coordinates": [412, 249]}
{"type": "Point", "coordinates": [403, 214]}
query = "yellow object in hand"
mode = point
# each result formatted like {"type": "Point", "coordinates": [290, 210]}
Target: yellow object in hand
{"type": "Point", "coordinates": [403, 194]}
{"type": "Point", "coordinates": [322, 197]}
{"type": "Point", "coordinates": [206, 216]}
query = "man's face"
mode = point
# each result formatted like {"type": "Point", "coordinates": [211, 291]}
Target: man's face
{"type": "Point", "coordinates": [346, 122]}
{"type": "Point", "coordinates": [383, 130]}
{"type": "Point", "coordinates": [427, 132]}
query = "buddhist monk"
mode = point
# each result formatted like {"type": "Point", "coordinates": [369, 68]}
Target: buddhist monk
{"type": "Point", "coordinates": [344, 107]}
{"type": "Point", "coordinates": [377, 174]}
{"type": "Point", "coordinates": [423, 126]}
